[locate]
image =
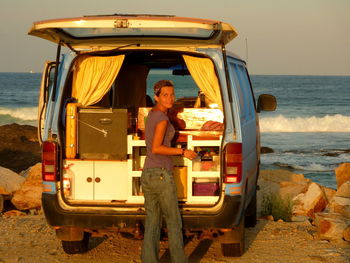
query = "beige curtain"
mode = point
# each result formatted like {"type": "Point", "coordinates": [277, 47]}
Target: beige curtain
{"type": "Point", "coordinates": [203, 72]}
{"type": "Point", "coordinates": [93, 76]}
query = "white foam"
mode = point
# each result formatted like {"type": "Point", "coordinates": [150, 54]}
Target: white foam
{"type": "Point", "coordinates": [313, 167]}
{"type": "Point", "coordinates": [328, 123]}
{"type": "Point", "coordinates": [27, 114]}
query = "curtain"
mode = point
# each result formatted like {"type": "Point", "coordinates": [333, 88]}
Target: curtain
{"type": "Point", "coordinates": [203, 72]}
{"type": "Point", "coordinates": [93, 76]}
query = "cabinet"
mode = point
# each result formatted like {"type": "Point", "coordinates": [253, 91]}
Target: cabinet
{"type": "Point", "coordinates": [97, 180]}
{"type": "Point", "coordinates": [194, 176]}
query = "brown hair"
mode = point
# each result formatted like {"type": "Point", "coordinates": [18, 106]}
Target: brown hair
{"type": "Point", "coordinates": [160, 84]}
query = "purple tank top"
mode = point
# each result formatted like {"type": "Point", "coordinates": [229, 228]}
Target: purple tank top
{"type": "Point", "coordinates": [158, 160]}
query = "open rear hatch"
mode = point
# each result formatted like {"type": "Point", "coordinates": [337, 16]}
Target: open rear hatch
{"type": "Point", "coordinates": [90, 32]}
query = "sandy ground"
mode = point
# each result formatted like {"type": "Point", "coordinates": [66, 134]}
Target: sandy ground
{"type": "Point", "coordinates": [29, 239]}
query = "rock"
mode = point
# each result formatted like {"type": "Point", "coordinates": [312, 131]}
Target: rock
{"type": "Point", "coordinates": [278, 176]}
{"type": "Point", "coordinates": [344, 190]}
{"type": "Point", "coordinates": [29, 195]}
{"type": "Point", "coordinates": [340, 205]}
{"type": "Point", "coordinates": [311, 202]}
{"type": "Point", "coordinates": [292, 189]}
{"type": "Point", "coordinates": [9, 181]}
{"type": "Point", "coordinates": [342, 174]}
{"type": "Point", "coordinates": [19, 147]}
{"type": "Point", "coordinates": [330, 226]}
{"type": "Point", "coordinates": [265, 149]}
{"type": "Point", "coordinates": [282, 182]}
{"type": "Point", "coordinates": [329, 192]}
{"type": "Point", "coordinates": [300, 218]}
{"type": "Point", "coordinates": [14, 213]}
{"type": "Point", "coordinates": [346, 234]}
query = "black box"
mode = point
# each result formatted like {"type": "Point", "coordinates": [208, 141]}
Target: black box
{"type": "Point", "coordinates": [102, 133]}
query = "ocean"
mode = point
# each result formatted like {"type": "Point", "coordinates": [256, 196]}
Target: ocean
{"type": "Point", "coordinates": [309, 132]}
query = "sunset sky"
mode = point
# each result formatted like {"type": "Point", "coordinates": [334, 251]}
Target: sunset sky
{"type": "Point", "coordinates": [298, 37]}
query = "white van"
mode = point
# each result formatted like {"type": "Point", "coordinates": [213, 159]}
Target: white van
{"type": "Point", "coordinates": [94, 101]}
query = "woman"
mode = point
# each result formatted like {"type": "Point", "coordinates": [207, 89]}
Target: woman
{"type": "Point", "coordinates": [157, 178]}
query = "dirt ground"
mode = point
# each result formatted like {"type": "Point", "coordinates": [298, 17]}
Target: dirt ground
{"type": "Point", "coordinates": [29, 239]}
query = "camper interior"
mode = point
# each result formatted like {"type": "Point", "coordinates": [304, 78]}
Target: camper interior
{"type": "Point", "coordinates": [106, 102]}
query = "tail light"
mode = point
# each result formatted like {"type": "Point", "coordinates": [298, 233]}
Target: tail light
{"type": "Point", "coordinates": [49, 161]}
{"type": "Point", "coordinates": [233, 163]}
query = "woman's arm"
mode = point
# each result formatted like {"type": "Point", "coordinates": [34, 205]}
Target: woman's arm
{"type": "Point", "coordinates": [159, 148]}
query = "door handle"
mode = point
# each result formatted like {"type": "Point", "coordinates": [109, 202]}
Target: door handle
{"type": "Point", "coordinates": [89, 179]}
{"type": "Point", "coordinates": [97, 179]}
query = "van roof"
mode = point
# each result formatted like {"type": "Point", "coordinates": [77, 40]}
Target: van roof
{"type": "Point", "coordinates": [122, 29]}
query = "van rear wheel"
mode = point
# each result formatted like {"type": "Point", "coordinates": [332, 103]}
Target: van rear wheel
{"type": "Point", "coordinates": [76, 247]}
{"type": "Point", "coordinates": [232, 242]}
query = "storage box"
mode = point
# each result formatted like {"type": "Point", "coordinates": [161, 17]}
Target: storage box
{"type": "Point", "coordinates": [180, 178]}
{"type": "Point", "coordinates": [102, 133]}
{"type": "Point", "coordinates": [205, 189]}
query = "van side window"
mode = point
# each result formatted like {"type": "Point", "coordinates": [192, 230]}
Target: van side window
{"type": "Point", "coordinates": [236, 83]}
{"type": "Point", "coordinates": [247, 92]}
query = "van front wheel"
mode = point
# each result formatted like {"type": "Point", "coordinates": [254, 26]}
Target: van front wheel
{"type": "Point", "coordinates": [232, 242]}
{"type": "Point", "coordinates": [76, 247]}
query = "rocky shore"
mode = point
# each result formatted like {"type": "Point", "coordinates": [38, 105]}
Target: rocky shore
{"type": "Point", "coordinates": [19, 147]}
{"type": "Point", "coordinates": [319, 230]}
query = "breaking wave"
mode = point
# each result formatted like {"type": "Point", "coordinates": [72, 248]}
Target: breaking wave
{"type": "Point", "coordinates": [312, 167]}
{"type": "Point", "coordinates": [26, 114]}
{"type": "Point", "coordinates": [328, 123]}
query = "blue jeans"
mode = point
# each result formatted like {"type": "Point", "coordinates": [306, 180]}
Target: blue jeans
{"type": "Point", "coordinates": [160, 195]}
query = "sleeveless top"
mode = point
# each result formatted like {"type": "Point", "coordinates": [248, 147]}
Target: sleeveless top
{"type": "Point", "coordinates": [158, 160]}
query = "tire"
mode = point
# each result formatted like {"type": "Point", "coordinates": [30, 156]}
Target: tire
{"type": "Point", "coordinates": [250, 216]}
{"type": "Point", "coordinates": [232, 242]}
{"type": "Point", "coordinates": [1, 203]}
{"type": "Point", "coordinates": [76, 247]}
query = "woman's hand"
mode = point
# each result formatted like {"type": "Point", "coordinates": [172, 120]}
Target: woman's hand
{"type": "Point", "coordinates": [189, 154]}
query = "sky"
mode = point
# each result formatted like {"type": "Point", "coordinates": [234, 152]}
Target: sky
{"type": "Point", "coordinates": [276, 37]}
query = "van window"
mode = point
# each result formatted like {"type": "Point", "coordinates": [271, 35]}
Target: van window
{"type": "Point", "coordinates": [247, 92]}
{"type": "Point", "coordinates": [241, 82]}
{"type": "Point", "coordinates": [235, 84]}
{"type": "Point", "coordinates": [184, 85]}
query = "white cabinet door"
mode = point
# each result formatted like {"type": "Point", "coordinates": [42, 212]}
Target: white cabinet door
{"type": "Point", "coordinates": [82, 179]}
{"type": "Point", "coordinates": [110, 180]}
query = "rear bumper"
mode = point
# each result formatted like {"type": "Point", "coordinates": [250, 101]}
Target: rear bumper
{"type": "Point", "coordinates": [226, 217]}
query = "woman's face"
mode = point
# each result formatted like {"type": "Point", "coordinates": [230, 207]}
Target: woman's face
{"type": "Point", "coordinates": [166, 97]}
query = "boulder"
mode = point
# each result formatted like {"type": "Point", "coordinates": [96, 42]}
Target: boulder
{"type": "Point", "coordinates": [340, 205]}
{"type": "Point", "coordinates": [342, 174]}
{"type": "Point", "coordinates": [19, 147]}
{"type": "Point", "coordinates": [329, 192]}
{"type": "Point", "coordinates": [292, 189]}
{"type": "Point", "coordinates": [282, 182]}
{"type": "Point", "coordinates": [29, 195]}
{"type": "Point", "coordinates": [14, 213]}
{"type": "Point", "coordinates": [344, 190]}
{"type": "Point", "coordinates": [9, 181]}
{"type": "Point", "coordinates": [265, 149]}
{"type": "Point", "coordinates": [278, 176]}
{"type": "Point", "coordinates": [312, 201]}
{"type": "Point", "coordinates": [331, 226]}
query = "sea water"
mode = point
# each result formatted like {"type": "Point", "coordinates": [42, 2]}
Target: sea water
{"type": "Point", "coordinates": [309, 132]}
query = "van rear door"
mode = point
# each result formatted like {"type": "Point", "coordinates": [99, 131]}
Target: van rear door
{"type": "Point", "coordinates": [46, 82]}
{"type": "Point", "coordinates": [107, 32]}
